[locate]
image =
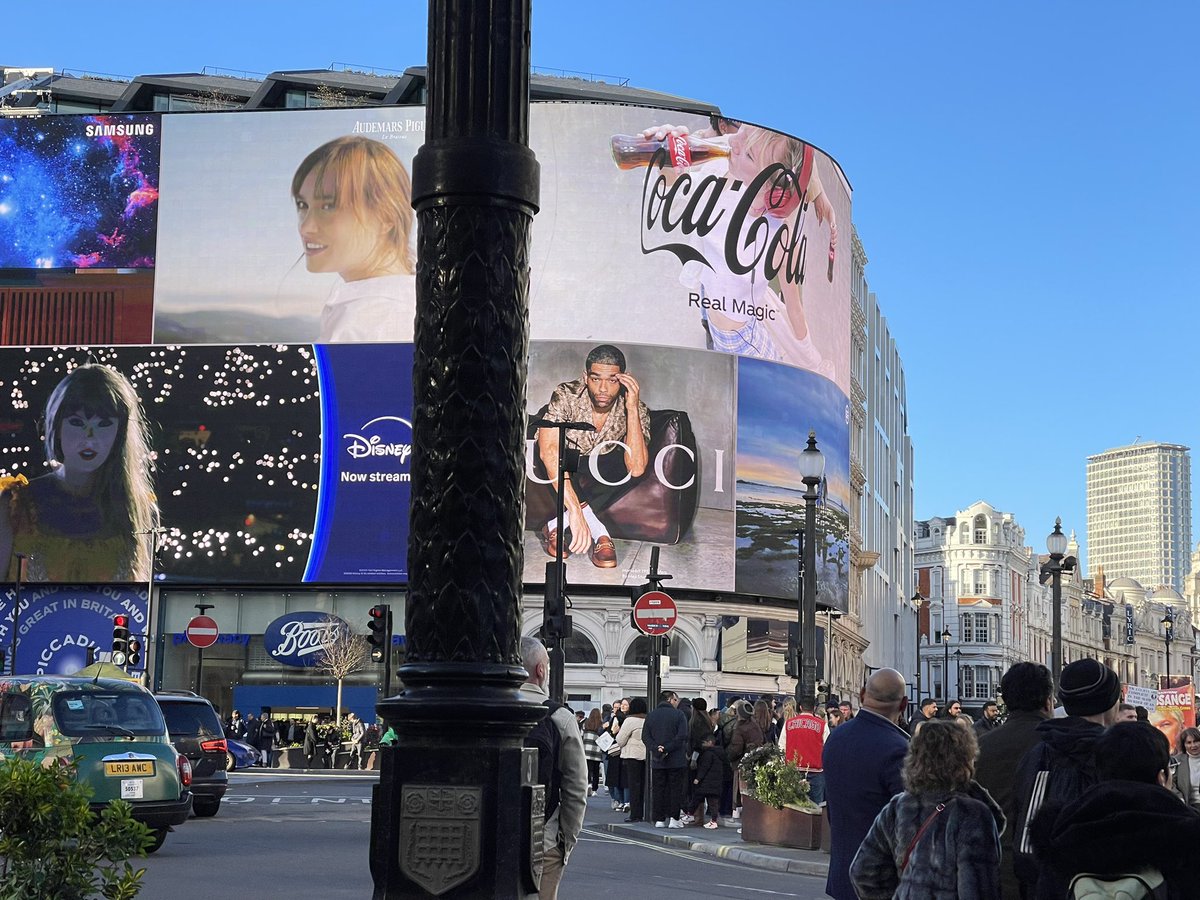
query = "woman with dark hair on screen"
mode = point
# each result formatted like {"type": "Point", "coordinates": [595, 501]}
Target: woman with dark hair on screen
{"type": "Point", "coordinates": [89, 517]}
{"type": "Point", "coordinates": [353, 198]}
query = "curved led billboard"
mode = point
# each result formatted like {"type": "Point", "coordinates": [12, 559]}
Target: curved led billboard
{"type": "Point", "coordinates": [689, 298]}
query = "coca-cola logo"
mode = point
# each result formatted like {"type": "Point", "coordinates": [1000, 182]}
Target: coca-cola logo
{"type": "Point", "coordinates": [689, 205]}
{"type": "Point", "coordinates": [299, 638]}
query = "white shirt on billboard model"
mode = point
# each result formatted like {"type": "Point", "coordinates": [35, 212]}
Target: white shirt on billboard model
{"type": "Point", "coordinates": [370, 310]}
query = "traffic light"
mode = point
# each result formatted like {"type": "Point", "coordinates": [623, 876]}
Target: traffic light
{"type": "Point", "coordinates": [120, 641]}
{"type": "Point", "coordinates": [790, 667]}
{"type": "Point", "coordinates": [635, 592]}
{"type": "Point", "coordinates": [555, 621]}
{"type": "Point", "coordinates": [135, 652]}
{"type": "Point", "coordinates": [379, 630]}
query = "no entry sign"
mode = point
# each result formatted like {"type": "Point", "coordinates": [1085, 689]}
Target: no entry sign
{"type": "Point", "coordinates": [654, 613]}
{"type": "Point", "coordinates": [202, 631]}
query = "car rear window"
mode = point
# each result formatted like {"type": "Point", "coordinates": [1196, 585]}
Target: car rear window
{"type": "Point", "coordinates": [191, 719]}
{"type": "Point", "coordinates": [106, 713]}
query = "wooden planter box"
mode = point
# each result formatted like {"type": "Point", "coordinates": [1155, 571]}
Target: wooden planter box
{"type": "Point", "coordinates": [781, 827]}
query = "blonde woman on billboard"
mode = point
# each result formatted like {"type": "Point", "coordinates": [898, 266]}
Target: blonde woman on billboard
{"type": "Point", "coordinates": [86, 520]}
{"type": "Point", "coordinates": [746, 315]}
{"type": "Point", "coordinates": [354, 202]}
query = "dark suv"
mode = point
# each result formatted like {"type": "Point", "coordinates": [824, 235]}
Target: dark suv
{"type": "Point", "coordinates": [195, 730]}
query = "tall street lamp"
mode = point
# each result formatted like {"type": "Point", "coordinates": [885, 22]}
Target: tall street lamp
{"type": "Point", "coordinates": [1168, 624]}
{"type": "Point", "coordinates": [1053, 570]}
{"type": "Point", "coordinates": [918, 600]}
{"type": "Point", "coordinates": [945, 636]}
{"type": "Point", "coordinates": [812, 470]}
{"type": "Point", "coordinates": [958, 673]}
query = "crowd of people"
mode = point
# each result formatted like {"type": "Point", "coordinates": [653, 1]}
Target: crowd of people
{"type": "Point", "coordinates": [320, 738]}
{"type": "Point", "coordinates": [1061, 796]}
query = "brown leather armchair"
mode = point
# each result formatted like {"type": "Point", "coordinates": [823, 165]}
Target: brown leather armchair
{"type": "Point", "coordinates": [649, 511]}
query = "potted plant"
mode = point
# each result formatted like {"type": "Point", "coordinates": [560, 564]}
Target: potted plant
{"type": "Point", "coordinates": [775, 805]}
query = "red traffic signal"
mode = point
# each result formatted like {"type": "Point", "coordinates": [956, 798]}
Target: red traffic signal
{"type": "Point", "coordinates": [120, 640]}
{"type": "Point", "coordinates": [379, 630]}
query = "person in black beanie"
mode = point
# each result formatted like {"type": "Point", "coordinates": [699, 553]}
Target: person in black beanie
{"type": "Point", "coordinates": [1061, 768]}
{"type": "Point", "coordinates": [1130, 822]}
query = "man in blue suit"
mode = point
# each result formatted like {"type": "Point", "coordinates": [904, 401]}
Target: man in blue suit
{"type": "Point", "coordinates": [863, 758]}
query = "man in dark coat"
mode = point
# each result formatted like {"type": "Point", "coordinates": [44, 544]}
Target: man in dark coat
{"type": "Point", "coordinates": [1062, 767]}
{"type": "Point", "coordinates": [862, 759]}
{"type": "Point", "coordinates": [928, 710]}
{"type": "Point", "coordinates": [1127, 822]}
{"type": "Point", "coordinates": [665, 735]}
{"type": "Point", "coordinates": [989, 719]}
{"type": "Point", "coordinates": [1027, 690]}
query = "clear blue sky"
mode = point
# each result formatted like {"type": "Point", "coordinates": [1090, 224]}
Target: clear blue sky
{"type": "Point", "coordinates": [1025, 184]}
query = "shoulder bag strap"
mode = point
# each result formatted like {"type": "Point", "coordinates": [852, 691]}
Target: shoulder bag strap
{"type": "Point", "coordinates": [913, 843]}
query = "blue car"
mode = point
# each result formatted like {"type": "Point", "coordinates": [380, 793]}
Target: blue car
{"type": "Point", "coordinates": [239, 755]}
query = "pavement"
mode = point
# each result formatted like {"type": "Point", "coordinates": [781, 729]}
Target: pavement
{"type": "Point", "coordinates": [723, 842]}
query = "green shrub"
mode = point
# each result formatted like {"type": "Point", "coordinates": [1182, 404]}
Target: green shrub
{"type": "Point", "coordinates": [770, 779]}
{"type": "Point", "coordinates": [52, 845]}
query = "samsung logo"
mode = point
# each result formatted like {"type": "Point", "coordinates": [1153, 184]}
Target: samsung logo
{"type": "Point", "coordinates": [127, 130]}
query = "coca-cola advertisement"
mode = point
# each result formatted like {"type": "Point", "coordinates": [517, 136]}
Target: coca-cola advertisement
{"type": "Point", "coordinates": [656, 226]}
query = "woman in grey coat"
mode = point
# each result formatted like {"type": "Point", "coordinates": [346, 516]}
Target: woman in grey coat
{"type": "Point", "coordinates": [940, 838]}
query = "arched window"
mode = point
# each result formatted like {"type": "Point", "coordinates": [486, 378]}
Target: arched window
{"type": "Point", "coordinates": [579, 650]}
{"type": "Point", "coordinates": [680, 652]}
{"type": "Point", "coordinates": [981, 529]}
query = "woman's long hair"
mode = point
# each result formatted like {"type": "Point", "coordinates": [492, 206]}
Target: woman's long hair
{"type": "Point", "coordinates": [941, 758]}
{"type": "Point", "coordinates": [123, 489]}
{"type": "Point", "coordinates": [369, 180]}
{"type": "Point", "coordinates": [762, 717]}
{"type": "Point", "coordinates": [593, 721]}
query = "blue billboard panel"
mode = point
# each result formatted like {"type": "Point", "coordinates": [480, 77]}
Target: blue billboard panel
{"type": "Point", "coordinates": [56, 625]}
{"type": "Point", "coordinates": [79, 192]}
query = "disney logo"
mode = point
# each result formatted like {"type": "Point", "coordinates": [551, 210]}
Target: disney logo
{"type": "Point", "coordinates": [363, 445]}
{"type": "Point", "coordinates": [305, 638]}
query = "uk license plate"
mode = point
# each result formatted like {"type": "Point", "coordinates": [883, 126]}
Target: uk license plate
{"type": "Point", "coordinates": [124, 769]}
{"type": "Point", "coordinates": [131, 788]}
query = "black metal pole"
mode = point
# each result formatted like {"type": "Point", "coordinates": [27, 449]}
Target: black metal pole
{"type": "Point", "coordinates": [799, 652]}
{"type": "Point", "coordinates": [456, 813]}
{"type": "Point", "coordinates": [807, 689]}
{"type": "Point", "coordinates": [946, 670]}
{"type": "Point", "coordinates": [16, 613]}
{"type": "Point", "coordinates": [1056, 659]}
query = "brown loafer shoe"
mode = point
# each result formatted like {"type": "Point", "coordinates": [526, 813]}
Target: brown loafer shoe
{"type": "Point", "coordinates": [549, 541]}
{"type": "Point", "coordinates": [604, 554]}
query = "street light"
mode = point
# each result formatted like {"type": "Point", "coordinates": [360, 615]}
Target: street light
{"type": "Point", "coordinates": [1053, 570]}
{"type": "Point", "coordinates": [958, 673]}
{"type": "Point", "coordinates": [945, 635]}
{"type": "Point", "coordinates": [812, 470]}
{"type": "Point", "coordinates": [918, 600]}
{"type": "Point", "coordinates": [1168, 624]}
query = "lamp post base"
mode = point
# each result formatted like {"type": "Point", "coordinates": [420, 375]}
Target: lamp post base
{"type": "Point", "coordinates": [458, 810]}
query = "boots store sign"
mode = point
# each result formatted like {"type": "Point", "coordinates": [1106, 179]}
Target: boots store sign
{"type": "Point", "coordinates": [300, 638]}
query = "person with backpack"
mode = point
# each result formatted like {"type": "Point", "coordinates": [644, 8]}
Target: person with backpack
{"type": "Point", "coordinates": [1129, 832]}
{"type": "Point", "coordinates": [1062, 767]}
{"type": "Point", "coordinates": [562, 768]}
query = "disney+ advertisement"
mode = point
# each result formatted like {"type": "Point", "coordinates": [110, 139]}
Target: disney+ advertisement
{"type": "Point", "coordinates": [251, 464]}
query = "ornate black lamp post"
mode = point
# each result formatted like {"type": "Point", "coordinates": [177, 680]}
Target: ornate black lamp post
{"type": "Point", "coordinates": [918, 601]}
{"type": "Point", "coordinates": [945, 636]}
{"type": "Point", "coordinates": [1054, 569]}
{"type": "Point", "coordinates": [1168, 624]}
{"type": "Point", "coordinates": [812, 470]}
{"type": "Point", "coordinates": [455, 813]}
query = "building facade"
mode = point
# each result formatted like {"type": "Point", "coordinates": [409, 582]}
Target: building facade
{"type": "Point", "coordinates": [1139, 513]}
{"type": "Point", "coordinates": [882, 621]}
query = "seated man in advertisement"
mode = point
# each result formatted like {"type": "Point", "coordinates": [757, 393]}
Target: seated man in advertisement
{"type": "Point", "coordinates": [609, 397]}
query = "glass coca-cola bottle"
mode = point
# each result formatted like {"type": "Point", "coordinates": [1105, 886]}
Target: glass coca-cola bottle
{"type": "Point", "coordinates": [631, 151]}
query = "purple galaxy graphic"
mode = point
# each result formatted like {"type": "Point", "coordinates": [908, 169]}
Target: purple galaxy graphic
{"type": "Point", "coordinates": [78, 191]}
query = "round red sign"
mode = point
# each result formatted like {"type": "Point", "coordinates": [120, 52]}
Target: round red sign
{"type": "Point", "coordinates": [654, 613]}
{"type": "Point", "coordinates": [202, 631]}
